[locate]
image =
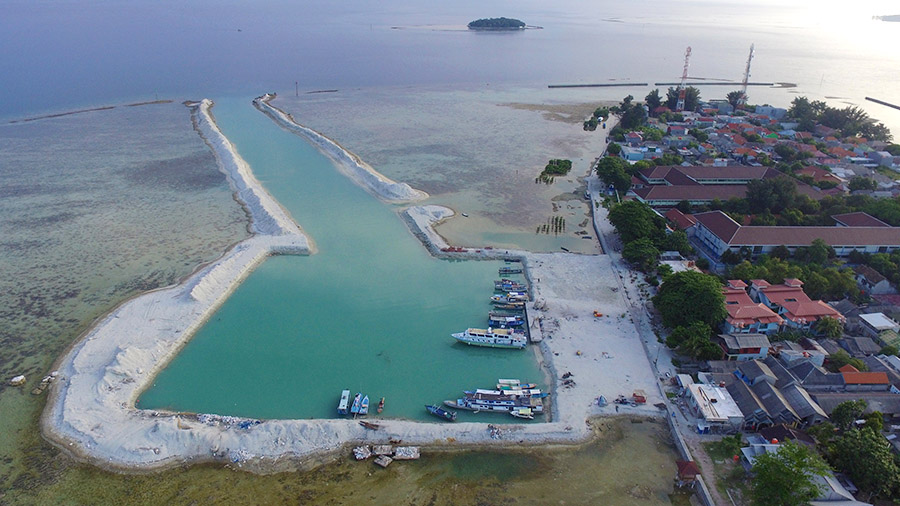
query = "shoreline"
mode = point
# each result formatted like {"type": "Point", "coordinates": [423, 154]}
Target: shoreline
{"type": "Point", "coordinates": [91, 411]}
{"type": "Point", "coordinates": [351, 165]}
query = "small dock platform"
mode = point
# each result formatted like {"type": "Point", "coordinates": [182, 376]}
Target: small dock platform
{"type": "Point", "coordinates": [533, 326]}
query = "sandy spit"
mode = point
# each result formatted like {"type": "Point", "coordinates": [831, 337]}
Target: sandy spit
{"type": "Point", "coordinates": [349, 163]}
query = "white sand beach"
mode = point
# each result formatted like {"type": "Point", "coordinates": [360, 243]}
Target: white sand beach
{"type": "Point", "coordinates": [91, 411]}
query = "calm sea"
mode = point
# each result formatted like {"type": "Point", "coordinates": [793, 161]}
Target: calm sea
{"type": "Point", "coordinates": [69, 54]}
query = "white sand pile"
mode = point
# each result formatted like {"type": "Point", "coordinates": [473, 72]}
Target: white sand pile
{"type": "Point", "coordinates": [350, 164]}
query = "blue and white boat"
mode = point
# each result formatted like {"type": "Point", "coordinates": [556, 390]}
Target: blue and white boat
{"type": "Point", "coordinates": [344, 404]}
{"type": "Point", "coordinates": [354, 408]}
{"type": "Point", "coordinates": [364, 406]}
{"type": "Point", "coordinates": [441, 412]}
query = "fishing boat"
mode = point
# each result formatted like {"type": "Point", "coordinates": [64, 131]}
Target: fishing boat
{"type": "Point", "coordinates": [441, 412]}
{"type": "Point", "coordinates": [511, 306]}
{"type": "Point", "coordinates": [505, 320]}
{"type": "Point", "coordinates": [509, 270]}
{"type": "Point", "coordinates": [344, 404]}
{"type": "Point", "coordinates": [514, 384]}
{"type": "Point", "coordinates": [381, 405]}
{"type": "Point", "coordinates": [515, 394]}
{"type": "Point", "coordinates": [354, 408]}
{"type": "Point", "coordinates": [508, 285]}
{"type": "Point", "coordinates": [526, 413]}
{"type": "Point", "coordinates": [509, 298]}
{"type": "Point", "coordinates": [492, 338]}
{"type": "Point", "coordinates": [364, 406]}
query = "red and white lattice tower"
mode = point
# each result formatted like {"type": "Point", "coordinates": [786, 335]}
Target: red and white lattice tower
{"type": "Point", "coordinates": [679, 106]}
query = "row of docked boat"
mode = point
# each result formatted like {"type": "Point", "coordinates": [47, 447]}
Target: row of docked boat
{"type": "Point", "coordinates": [521, 400]}
{"type": "Point", "coordinates": [508, 285]}
{"type": "Point", "coordinates": [358, 407]}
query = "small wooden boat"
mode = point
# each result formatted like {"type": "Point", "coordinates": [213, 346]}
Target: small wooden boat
{"type": "Point", "coordinates": [509, 270]}
{"type": "Point", "coordinates": [354, 408]}
{"type": "Point", "coordinates": [512, 305]}
{"type": "Point", "coordinates": [525, 413]}
{"type": "Point", "coordinates": [381, 405]}
{"type": "Point", "coordinates": [364, 406]}
{"type": "Point", "coordinates": [369, 425]}
{"type": "Point", "coordinates": [465, 215]}
{"type": "Point", "coordinates": [441, 412]}
{"type": "Point", "coordinates": [564, 249]}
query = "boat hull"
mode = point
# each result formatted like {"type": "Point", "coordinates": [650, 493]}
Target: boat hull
{"type": "Point", "coordinates": [511, 345]}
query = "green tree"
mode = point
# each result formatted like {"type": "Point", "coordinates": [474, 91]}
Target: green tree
{"type": "Point", "coordinates": [841, 358]}
{"type": "Point", "coordinates": [685, 333]}
{"type": "Point", "coordinates": [847, 412]}
{"type": "Point", "coordinates": [829, 327]}
{"type": "Point", "coordinates": [642, 253]}
{"type": "Point", "coordinates": [636, 220]}
{"type": "Point", "coordinates": [653, 100]}
{"type": "Point", "coordinates": [862, 183]}
{"type": "Point", "coordinates": [787, 477]}
{"type": "Point", "coordinates": [772, 195]}
{"type": "Point", "coordinates": [690, 296]}
{"type": "Point", "coordinates": [889, 350]}
{"type": "Point", "coordinates": [677, 241]}
{"type": "Point", "coordinates": [691, 98]}
{"type": "Point", "coordinates": [613, 148]}
{"type": "Point", "coordinates": [866, 456]}
{"type": "Point", "coordinates": [735, 98]}
{"type": "Point", "coordinates": [612, 171]}
{"type": "Point", "coordinates": [684, 206]}
{"type": "Point", "coordinates": [701, 348]}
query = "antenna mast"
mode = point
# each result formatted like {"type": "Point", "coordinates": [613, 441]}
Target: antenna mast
{"type": "Point", "coordinates": [681, 89]}
{"type": "Point", "coordinates": [743, 100]}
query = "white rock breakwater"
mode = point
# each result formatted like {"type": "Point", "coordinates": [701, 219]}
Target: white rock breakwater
{"type": "Point", "coordinates": [353, 166]}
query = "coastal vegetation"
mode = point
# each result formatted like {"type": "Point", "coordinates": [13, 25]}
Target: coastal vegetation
{"type": "Point", "coordinates": [691, 98]}
{"type": "Point", "coordinates": [643, 233]}
{"type": "Point", "coordinates": [787, 477]}
{"type": "Point", "coordinates": [692, 305]}
{"type": "Point", "coordinates": [555, 167]}
{"type": "Point", "coordinates": [851, 121]}
{"type": "Point", "coordinates": [600, 114]}
{"type": "Point", "coordinates": [496, 24]}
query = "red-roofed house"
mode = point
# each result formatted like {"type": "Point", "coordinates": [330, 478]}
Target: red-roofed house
{"type": "Point", "coordinates": [682, 221]}
{"type": "Point", "coordinates": [857, 219]}
{"type": "Point", "coordinates": [791, 303]}
{"type": "Point", "coordinates": [819, 174]}
{"type": "Point", "coordinates": [718, 233]}
{"type": "Point", "coordinates": [746, 316]}
{"type": "Point", "coordinates": [866, 381]}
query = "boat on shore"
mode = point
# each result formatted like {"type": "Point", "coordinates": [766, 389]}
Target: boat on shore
{"type": "Point", "coordinates": [357, 401]}
{"type": "Point", "coordinates": [492, 338]}
{"type": "Point", "coordinates": [364, 406]}
{"type": "Point", "coordinates": [441, 412]}
{"type": "Point", "coordinates": [369, 425]}
{"type": "Point", "coordinates": [344, 404]}
{"type": "Point", "coordinates": [509, 270]}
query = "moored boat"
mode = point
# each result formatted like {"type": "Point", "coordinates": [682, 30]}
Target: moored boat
{"type": "Point", "coordinates": [507, 384]}
{"type": "Point", "coordinates": [364, 406]}
{"type": "Point", "coordinates": [505, 320]}
{"type": "Point", "coordinates": [511, 306]}
{"type": "Point", "coordinates": [441, 412]}
{"type": "Point", "coordinates": [509, 298]}
{"type": "Point", "coordinates": [526, 413]}
{"type": "Point", "coordinates": [492, 338]}
{"type": "Point", "coordinates": [509, 270]}
{"type": "Point", "coordinates": [344, 404]}
{"type": "Point", "coordinates": [354, 408]}
{"type": "Point", "coordinates": [508, 285]}
{"type": "Point", "coordinates": [381, 405]}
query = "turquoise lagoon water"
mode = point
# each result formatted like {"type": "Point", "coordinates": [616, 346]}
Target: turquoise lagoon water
{"type": "Point", "coordinates": [371, 311]}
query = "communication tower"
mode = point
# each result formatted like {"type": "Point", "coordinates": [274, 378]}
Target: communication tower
{"type": "Point", "coordinates": [743, 100]}
{"type": "Point", "coordinates": [681, 89]}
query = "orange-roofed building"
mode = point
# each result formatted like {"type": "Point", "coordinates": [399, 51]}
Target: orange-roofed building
{"type": "Point", "coordinates": [866, 381]}
{"type": "Point", "coordinates": [791, 303]}
{"type": "Point", "coordinates": [746, 316]}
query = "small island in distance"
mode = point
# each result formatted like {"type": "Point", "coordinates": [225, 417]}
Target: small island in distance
{"type": "Point", "coordinates": [497, 24]}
